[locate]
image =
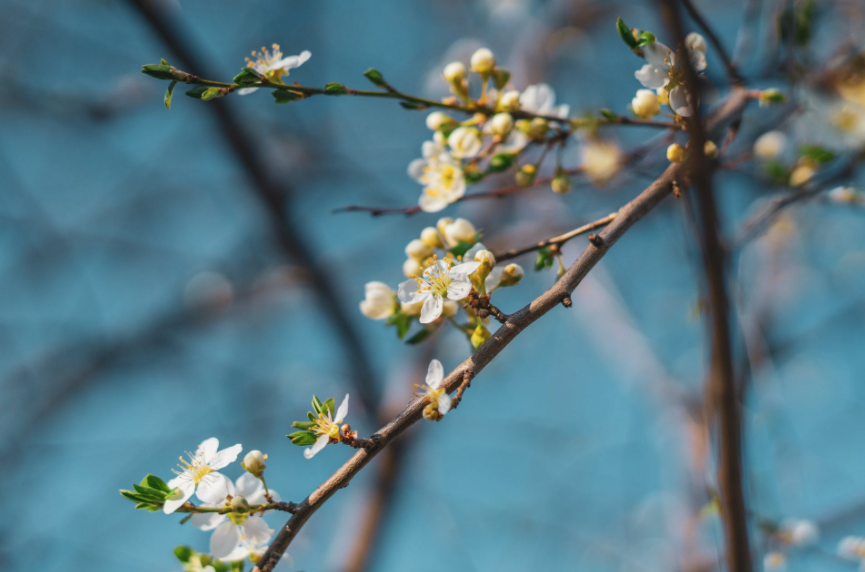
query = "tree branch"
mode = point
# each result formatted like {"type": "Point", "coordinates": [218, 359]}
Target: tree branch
{"type": "Point", "coordinates": [556, 240]}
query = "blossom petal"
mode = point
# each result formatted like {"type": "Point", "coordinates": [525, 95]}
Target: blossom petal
{"type": "Point", "coordinates": [310, 452]}
{"type": "Point", "coordinates": [459, 288]}
{"type": "Point", "coordinates": [212, 488]}
{"type": "Point", "coordinates": [431, 309]}
{"type": "Point", "coordinates": [435, 374]}
{"type": "Point", "coordinates": [416, 169]}
{"type": "Point", "coordinates": [651, 76]}
{"type": "Point", "coordinates": [256, 530]}
{"type": "Point", "coordinates": [248, 487]}
{"type": "Point", "coordinates": [493, 278]}
{"type": "Point", "coordinates": [186, 487]}
{"type": "Point", "coordinates": [292, 62]}
{"type": "Point", "coordinates": [342, 410]}
{"type": "Point", "coordinates": [208, 449]}
{"type": "Point", "coordinates": [679, 102]}
{"type": "Point", "coordinates": [432, 204]}
{"type": "Point", "coordinates": [225, 457]}
{"type": "Point", "coordinates": [207, 520]}
{"type": "Point", "coordinates": [444, 403]}
{"type": "Point", "coordinates": [408, 292]}
{"type": "Point", "coordinates": [225, 539]}
{"type": "Point", "coordinates": [246, 90]}
{"type": "Point", "coordinates": [658, 55]}
{"type": "Point", "coordinates": [465, 268]}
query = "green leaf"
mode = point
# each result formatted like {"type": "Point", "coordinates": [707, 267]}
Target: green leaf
{"type": "Point", "coordinates": [212, 93]}
{"type": "Point", "coordinates": [330, 405]}
{"type": "Point", "coordinates": [286, 96]}
{"type": "Point", "coordinates": [544, 259]}
{"type": "Point", "coordinates": [420, 336]}
{"type": "Point", "coordinates": [335, 89]}
{"type": "Point", "coordinates": [144, 506]}
{"type": "Point", "coordinates": [402, 321]}
{"type": "Point", "coordinates": [311, 416]}
{"type": "Point", "coordinates": [237, 565]}
{"type": "Point", "coordinates": [150, 493]}
{"type": "Point", "coordinates": [316, 405]}
{"type": "Point", "coordinates": [412, 105]}
{"type": "Point", "coordinates": [155, 482]}
{"type": "Point", "coordinates": [626, 35]}
{"type": "Point", "coordinates": [184, 553]}
{"type": "Point", "coordinates": [159, 71]}
{"type": "Point", "coordinates": [461, 248]}
{"type": "Point", "coordinates": [646, 38]}
{"type": "Point", "coordinates": [168, 94]}
{"type": "Point", "coordinates": [501, 77]}
{"type": "Point", "coordinates": [302, 438]}
{"type": "Point", "coordinates": [501, 162]}
{"type": "Point", "coordinates": [248, 77]}
{"type": "Point", "coordinates": [777, 172]}
{"type": "Point", "coordinates": [375, 77]}
{"type": "Point", "coordinates": [305, 425]}
{"type": "Point", "coordinates": [473, 176]}
{"type": "Point", "coordinates": [196, 92]}
{"type": "Point", "coordinates": [164, 62]}
{"type": "Point", "coordinates": [134, 497]}
{"type": "Point", "coordinates": [609, 115]}
{"type": "Point", "coordinates": [219, 566]}
{"type": "Point", "coordinates": [816, 153]}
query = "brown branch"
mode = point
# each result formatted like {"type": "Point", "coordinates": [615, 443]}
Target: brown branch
{"type": "Point", "coordinates": [274, 196]}
{"type": "Point", "coordinates": [695, 15]}
{"type": "Point", "coordinates": [721, 392]}
{"type": "Point", "coordinates": [556, 240]}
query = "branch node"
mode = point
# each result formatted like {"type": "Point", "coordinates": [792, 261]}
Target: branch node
{"type": "Point", "coordinates": [596, 240]}
{"type": "Point", "coordinates": [566, 300]}
{"type": "Point", "coordinates": [465, 384]}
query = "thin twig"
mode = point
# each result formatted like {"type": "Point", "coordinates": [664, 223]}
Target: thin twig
{"type": "Point", "coordinates": [556, 240]}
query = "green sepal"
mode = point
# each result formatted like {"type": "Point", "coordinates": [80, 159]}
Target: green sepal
{"type": "Point", "coordinates": [402, 321]}
{"type": "Point", "coordinates": [816, 153]}
{"type": "Point", "coordinates": [159, 71]}
{"type": "Point", "coordinates": [330, 405]}
{"type": "Point", "coordinates": [248, 77]}
{"type": "Point", "coordinates": [473, 176]}
{"type": "Point", "coordinates": [302, 438]}
{"type": "Point", "coordinates": [375, 77]}
{"type": "Point", "coordinates": [335, 89]}
{"type": "Point", "coordinates": [412, 105]}
{"type": "Point", "coordinates": [305, 425]}
{"type": "Point", "coordinates": [169, 93]}
{"type": "Point", "coordinates": [184, 553]}
{"type": "Point", "coordinates": [311, 416]}
{"type": "Point", "coordinates": [283, 96]}
{"type": "Point", "coordinates": [501, 162]}
{"type": "Point", "coordinates": [626, 35]}
{"type": "Point", "coordinates": [461, 248]}
{"type": "Point", "coordinates": [501, 77]}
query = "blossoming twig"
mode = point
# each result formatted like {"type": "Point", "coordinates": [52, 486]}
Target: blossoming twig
{"type": "Point", "coordinates": [556, 240]}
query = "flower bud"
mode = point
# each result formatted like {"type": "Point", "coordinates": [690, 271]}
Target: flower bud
{"type": "Point", "coordinates": [458, 231]}
{"type": "Point", "coordinates": [431, 238]}
{"type": "Point", "coordinates": [378, 304]}
{"type": "Point", "coordinates": [770, 145]}
{"type": "Point", "coordinates": [538, 128]}
{"type": "Point", "coordinates": [645, 104]}
{"type": "Point", "coordinates": [510, 101]}
{"type": "Point", "coordinates": [449, 308]}
{"type": "Point", "coordinates": [511, 275]}
{"type": "Point", "coordinates": [442, 223]}
{"type": "Point", "coordinates": [412, 268]}
{"type": "Point", "coordinates": [487, 260]}
{"type": "Point", "coordinates": [465, 142]}
{"type": "Point", "coordinates": [411, 309]}
{"type": "Point", "coordinates": [771, 96]}
{"type": "Point", "coordinates": [455, 72]}
{"type": "Point", "coordinates": [254, 460]}
{"type": "Point", "coordinates": [801, 175]}
{"type": "Point", "coordinates": [483, 61]}
{"type": "Point", "coordinates": [479, 336]}
{"type": "Point", "coordinates": [438, 120]}
{"type": "Point", "coordinates": [431, 412]}
{"type": "Point", "coordinates": [526, 175]}
{"type": "Point", "coordinates": [675, 153]}
{"type": "Point", "coordinates": [695, 42]}
{"type": "Point", "coordinates": [663, 96]}
{"type": "Point", "coordinates": [418, 250]}
{"type": "Point", "coordinates": [561, 184]}
{"type": "Point", "coordinates": [710, 150]}
{"type": "Point", "coordinates": [239, 505]}
{"type": "Point", "coordinates": [501, 124]}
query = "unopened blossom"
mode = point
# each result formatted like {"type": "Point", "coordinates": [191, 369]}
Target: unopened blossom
{"type": "Point", "coordinates": [253, 462]}
{"type": "Point", "coordinates": [483, 61]}
{"type": "Point", "coordinates": [541, 99]}
{"type": "Point", "coordinates": [439, 402]}
{"type": "Point", "coordinates": [601, 160]}
{"type": "Point", "coordinates": [411, 309]}
{"type": "Point", "coordinates": [439, 281]}
{"type": "Point", "coordinates": [675, 153]}
{"type": "Point", "coordinates": [457, 231]}
{"type": "Point", "coordinates": [561, 184]}
{"type": "Point", "coordinates": [799, 532]}
{"type": "Point", "coordinates": [663, 68]}
{"type": "Point", "coordinates": [487, 269]}
{"type": "Point", "coordinates": [770, 145]}
{"type": "Point", "coordinates": [843, 194]}
{"type": "Point", "coordinates": [500, 124]}
{"type": "Point", "coordinates": [430, 237]}
{"type": "Point", "coordinates": [510, 101]}
{"type": "Point", "coordinates": [438, 120]}
{"type": "Point", "coordinates": [802, 174]}
{"type": "Point", "coordinates": [327, 427]}
{"type": "Point", "coordinates": [411, 267]}
{"type": "Point", "coordinates": [273, 65]}
{"type": "Point", "coordinates": [465, 142]}
{"type": "Point", "coordinates": [455, 72]}
{"type": "Point", "coordinates": [710, 149]}
{"type": "Point", "coordinates": [199, 475]}
{"type": "Point", "coordinates": [379, 301]}
{"type": "Point", "coordinates": [442, 177]}
{"type": "Point", "coordinates": [696, 42]}
{"type": "Point", "coordinates": [645, 104]}
{"type": "Point", "coordinates": [418, 249]}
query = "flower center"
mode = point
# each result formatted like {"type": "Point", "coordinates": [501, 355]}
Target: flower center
{"type": "Point", "coordinates": [326, 426]}
{"type": "Point", "coordinates": [264, 60]}
{"type": "Point", "coordinates": [676, 75]}
{"type": "Point", "coordinates": [195, 467]}
{"type": "Point", "coordinates": [436, 279]}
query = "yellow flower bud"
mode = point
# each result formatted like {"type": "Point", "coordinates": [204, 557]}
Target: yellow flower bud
{"type": "Point", "coordinates": [511, 275]}
{"type": "Point", "coordinates": [770, 145]}
{"type": "Point", "coordinates": [710, 150]}
{"type": "Point", "coordinates": [254, 463]}
{"type": "Point", "coordinates": [483, 62]}
{"type": "Point", "coordinates": [526, 175]}
{"type": "Point", "coordinates": [458, 231]}
{"type": "Point", "coordinates": [455, 72]}
{"type": "Point", "coordinates": [418, 250]}
{"type": "Point", "coordinates": [538, 128]}
{"type": "Point", "coordinates": [801, 175]}
{"type": "Point", "coordinates": [510, 101]}
{"type": "Point", "coordinates": [645, 104]}
{"type": "Point", "coordinates": [501, 124]}
{"type": "Point", "coordinates": [412, 267]}
{"type": "Point", "coordinates": [438, 120]}
{"type": "Point", "coordinates": [561, 184]}
{"type": "Point", "coordinates": [675, 153]}
{"type": "Point", "coordinates": [431, 238]}
{"type": "Point", "coordinates": [663, 96]}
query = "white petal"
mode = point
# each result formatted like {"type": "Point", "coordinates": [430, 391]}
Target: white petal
{"type": "Point", "coordinates": [679, 102]}
{"type": "Point", "coordinates": [239, 553]}
{"type": "Point", "coordinates": [465, 268]}
{"type": "Point", "coordinates": [256, 530]}
{"type": "Point", "coordinates": [310, 452]}
{"type": "Point", "coordinates": [651, 76]}
{"type": "Point", "coordinates": [248, 486]}
{"type": "Point", "coordinates": [459, 288]}
{"type": "Point", "coordinates": [292, 62]}
{"type": "Point", "coordinates": [698, 60]}
{"type": "Point", "coordinates": [493, 278]}
{"type": "Point", "coordinates": [213, 488]}
{"type": "Point", "coordinates": [431, 309]}
{"type": "Point", "coordinates": [432, 204]}
{"type": "Point", "coordinates": [225, 457]}
{"type": "Point", "coordinates": [225, 539]}
{"type": "Point", "coordinates": [435, 374]}
{"type": "Point", "coordinates": [416, 169]}
{"type": "Point", "coordinates": [186, 486]}
{"type": "Point", "coordinates": [207, 520]}
{"type": "Point", "coordinates": [444, 403]}
{"type": "Point", "coordinates": [208, 449]}
{"type": "Point", "coordinates": [342, 410]}
{"type": "Point", "coordinates": [657, 54]}
{"type": "Point", "coordinates": [246, 90]}
{"type": "Point", "coordinates": [408, 292]}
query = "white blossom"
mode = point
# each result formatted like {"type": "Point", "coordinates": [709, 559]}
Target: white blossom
{"type": "Point", "coordinates": [379, 301]}
{"type": "Point", "coordinates": [439, 281]}
{"type": "Point", "coordinates": [327, 427]}
{"type": "Point", "coordinates": [246, 486]}
{"type": "Point", "coordinates": [799, 532]}
{"type": "Point", "coordinates": [273, 65]}
{"type": "Point", "coordinates": [541, 100]}
{"type": "Point", "coordinates": [441, 176]}
{"type": "Point", "coordinates": [438, 399]}
{"type": "Point", "coordinates": [465, 142]}
{"type": "Point", "coordinates": [198, 475]}
{"type": "Point", "coordinates": [770, 144]}
{"type": "Point", "coordinates": [663, 69]}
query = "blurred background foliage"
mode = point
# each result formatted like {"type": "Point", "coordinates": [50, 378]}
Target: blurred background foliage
{"type": "Point", "coordinates": [146, 304]}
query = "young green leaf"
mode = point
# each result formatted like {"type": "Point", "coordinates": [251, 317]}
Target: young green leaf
{"type": "Point", "coordinates": [169, 93]}
{"type": "Point", "coordinates": [330, 405]}
{"type": "Point", "coordinates": [316, 405]}
{"type": "Point", "coordinates": [626, 35]}
{"type": "Point", "coordinates": [375, 77]}
{"type": "Point", "coordinates": [184, 553]}
{"type": "Point", "coordinates": [302, 438]}
{"type": "Point", "coordinates": [305, 425]}
{"type": "Point", "coordinates": [248, 77]}
{"type": "Point", "coordinates": [335, 89]}
{"type": "Point", "coordinates": [155, 482]}
{"type": "Point", "coordinates": [283, 96]}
